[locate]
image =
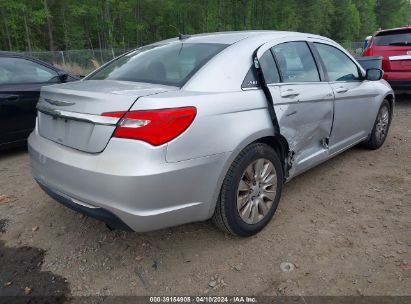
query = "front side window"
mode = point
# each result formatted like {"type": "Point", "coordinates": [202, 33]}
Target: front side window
{"type": "Point", "coordinates": [296, 62]}
{"type": "Point", "coordinates": [169, 64]}
{"type": "Point", "coordinates": [338, 65]}
{"type": "Point", "coordinates": [19, 71]}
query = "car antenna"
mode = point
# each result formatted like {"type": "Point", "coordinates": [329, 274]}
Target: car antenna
{"type": "Point", "coordinates": [180, 35]}
{"type": "Point", "coordinates": [183, 36]}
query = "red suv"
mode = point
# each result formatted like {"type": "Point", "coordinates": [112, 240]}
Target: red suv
{"type": "Point", "coordinates": [394, 46]}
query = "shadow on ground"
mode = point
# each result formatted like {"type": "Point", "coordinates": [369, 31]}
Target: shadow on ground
{"type": "Point", "coordinates": [21, 275]}
{"type": "Point", "coordinates": [10, 152]}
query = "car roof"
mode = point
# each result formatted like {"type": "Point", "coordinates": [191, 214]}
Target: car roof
{"type": "Point", "coordinates": [20, 55]}
{"type": "Point", "coordinates": [12, 54]}
{"type": "Point", "coordinates": [23, 56]}
{"type": "Point", "coordinates": [234, 36]}
{"type": "Point", "coordinates": [407, 27]}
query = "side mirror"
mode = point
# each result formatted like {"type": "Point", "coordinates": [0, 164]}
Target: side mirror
{"type": "Point", "coordinates": [63, 76]}
{"type": "Point", "coordinates": [374, 74]}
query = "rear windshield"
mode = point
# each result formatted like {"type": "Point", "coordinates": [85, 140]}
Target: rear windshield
{"type": "Point", "coordinates": [169, 64]}
{"type": "Point", "coordinates": [398, 37]}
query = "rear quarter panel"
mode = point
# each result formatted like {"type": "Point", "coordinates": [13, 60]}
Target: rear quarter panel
{"type": "Point", "coordinates": [225, 122]}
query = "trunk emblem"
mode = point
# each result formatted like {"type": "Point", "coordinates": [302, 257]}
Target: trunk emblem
{"type": "Point", "coordinates": [59, 103]}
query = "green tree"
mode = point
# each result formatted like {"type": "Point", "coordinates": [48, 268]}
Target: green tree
{"type": "Point", "coordinates": [346, 21]}
{"type": "Point", "coordinates": [392, 13]}
{"type": "Point", "coordinates": [315, 16]}
{"type": "Point", "coordinates": [368, 19]}
{"type": "Point", "coordinates": [106, 24]}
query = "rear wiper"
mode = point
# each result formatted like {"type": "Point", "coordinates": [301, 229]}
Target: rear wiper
{"type": "Point", "coordinates": [400, 43]}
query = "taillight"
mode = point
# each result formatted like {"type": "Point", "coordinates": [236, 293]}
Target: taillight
{"type": "Point", "coordinates": [367, 51]}
{"type": "Point", "coordinates": [156, 127]}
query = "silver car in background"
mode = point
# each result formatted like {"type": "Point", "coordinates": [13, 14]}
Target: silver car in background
{"type": "Point", "coordinates": [204, 126]}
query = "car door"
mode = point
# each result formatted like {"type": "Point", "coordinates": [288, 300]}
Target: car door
{"type": "Point", "coordinates": [303, 101]}
{"type": "Point", "coordinates": [20, 83]}
{"type": "Point", "coordinates": [353, 97]}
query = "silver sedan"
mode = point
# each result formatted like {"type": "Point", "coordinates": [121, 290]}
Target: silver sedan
{"type": "Point", "coordinates": [204, 126]}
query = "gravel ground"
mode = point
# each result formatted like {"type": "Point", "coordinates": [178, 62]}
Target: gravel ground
{"type": "Point", "coordinates": [344, 226]}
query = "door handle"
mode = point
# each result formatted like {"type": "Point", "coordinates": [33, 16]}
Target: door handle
{"type": "Point", "coordinates": [289, 93]}
{"type": "Point", "coordinates": [9, 97]}
{"type": "Point", "coordinates": [341, 90]}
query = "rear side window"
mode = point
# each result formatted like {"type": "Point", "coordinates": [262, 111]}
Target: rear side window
{"type": "Point", "coordinates": [19, 71]}
{"type": "Point", "coordinates": [395, 38]}
{"type": "Point", "coordinates": [296, 62]}
{"type": "Point", "coordinates": [251, 79]}
{"type": "Point", "coordinates": [169, 64]}
{"type": "Point", "coordinates": [338, 65]}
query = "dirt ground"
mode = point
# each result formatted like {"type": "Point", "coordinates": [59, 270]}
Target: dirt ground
{"type": "Point", "coordinates": [345, 225]}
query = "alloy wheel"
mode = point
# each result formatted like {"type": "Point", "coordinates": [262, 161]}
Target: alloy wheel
{"type": "Point", "coordinates": [383, 119]}
{"type": "Point", "coordinates": [256, 191]}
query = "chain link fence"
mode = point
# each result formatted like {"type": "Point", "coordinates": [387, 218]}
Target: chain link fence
{"type": "Point", "coordinates": [356, 48]}
{"type": "Point", "coordinates": [82, 62]}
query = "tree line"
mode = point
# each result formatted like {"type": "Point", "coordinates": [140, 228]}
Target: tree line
{"type": "Point", "coordinates": [37, 25]}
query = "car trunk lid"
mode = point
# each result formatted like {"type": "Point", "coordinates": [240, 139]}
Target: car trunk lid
{"type": "Point", "coordinates": [395, 59]}
{"type": "Point", "coordinates": [401, 61]}
{"type": "Point", "coordinates": [70, 114]}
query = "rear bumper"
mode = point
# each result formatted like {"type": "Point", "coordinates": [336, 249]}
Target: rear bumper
{"type": "Point", "coordinates": [98, 213]}
{"type": "Point", "coordinates": [400, 84]}
{"type": "Point", "coordinates": [130, 183]}
{"type": "Point", "coordinates": [398, 80]}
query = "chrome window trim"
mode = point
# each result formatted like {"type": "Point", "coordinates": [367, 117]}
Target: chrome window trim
{"type": "Point", "coordinates": [345, 81]}
{"type": "Point", "coordinates": [295, 83]}
{"type": "Point", "coordinates": [312, 82]}
{"type": "Point", "coordinates": [400, 57]}
{"type": "Point", "coordinates": [90, 118]}
{"type": "Point", "coordinates": [251, 89]}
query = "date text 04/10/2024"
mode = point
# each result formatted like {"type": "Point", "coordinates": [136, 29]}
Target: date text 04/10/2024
{"type": "Point", "coordinates": [203, 299]}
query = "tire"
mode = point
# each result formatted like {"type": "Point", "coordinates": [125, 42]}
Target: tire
{"type": "Point", "coordinates": [381, 127]}
{"type": "Point", "coordinates": [258, 202]}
